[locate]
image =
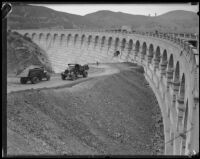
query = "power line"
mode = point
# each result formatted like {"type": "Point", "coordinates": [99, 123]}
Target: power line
{"type": "Point", "coordinates": [179, 136]}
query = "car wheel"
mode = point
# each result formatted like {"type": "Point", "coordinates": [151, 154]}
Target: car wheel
{"type": "Point", "coordinates": [34, 80]}
{"type": "Point", "coordinates": [23, 80]}
{"type": "Point", "coordinates": [48, 77]}
{"type": "Point", "coordinates": [85, 74]}
{"type": "Point", "coordinates": [63, 77]}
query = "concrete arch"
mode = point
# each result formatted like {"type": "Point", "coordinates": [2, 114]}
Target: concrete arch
{"type": "Point", "coordinates": [33, 36]}
{"type": "Point", "coordinates": [180, 104]}
{"type": "Point", "coordinates": [110, 42]}
{"type": "Point", "coordinates": [157, 58]}
{"type": "Point", "coordinates": [103, 41]}
{"type": "Point", "coordinates": [170, 70]}
{"type": "Point", "coordinates": [96, 40]}
{"type": "Point", "coordinates": [151, 50]}
{"type": "Point", "coordinates": [82, 39]}
{"type": "Point", "coordinates": [176, 82]}
{"type": "Point", "coordinates": [150, 53]}
{"type": "Point", "coordinates": [55, 37]}
{"type": "Point", "coordinates": [123, 45]}
{"type": "Point", "coordinates": [69, 38]}
{"type": "Point", "coordinates": [182, 88]}
{"type": "Point", "coordinates": [164, 63]}
{"type": "Point", "coordinates": [41, 35]}
{"type": "Point", "coordinates": [144, 48]}
{"type": "Point", "coordinates": [26, 35]}
{"type": "Point", "coordinates": [116, 43]}
{"type": "Point", "coordinates": [164, 56]}
{"type": "Point", "coordinates": [75, 38]}
{"type": "Point", "coordinates": [137, 46]}
{"type": "Point", "coordinates": [48, 36]}
{"type": "Point", "coordinates": [177, 73]}
{"type": "Point", "coordinates": [171, 62]}
{"type": "Point", "coordinates": [62, 38]}
{"type": "Point", "coordinates": [89, 39]}
{"type": "Point", "coordinates": [130, 45]}
{"type": "Point", "coordinates": [157, 55]}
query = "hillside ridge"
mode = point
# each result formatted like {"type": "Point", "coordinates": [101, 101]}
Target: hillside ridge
{"type": "Point", "coordinates": [36, 17]}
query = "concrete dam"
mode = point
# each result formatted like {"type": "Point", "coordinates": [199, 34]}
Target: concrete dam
{"type": "Point", "coordinates": [171, 67]}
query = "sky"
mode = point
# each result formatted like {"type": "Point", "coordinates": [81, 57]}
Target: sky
{"type": "Point", "coordinates": [138, 9]}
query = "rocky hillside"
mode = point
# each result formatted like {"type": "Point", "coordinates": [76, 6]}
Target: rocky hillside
{"type": "Point", "coordinates": [22, 52]}
{"type": "Point", "coordinates": [174, 21]}
{"type": "Point", "coordinates": [28, 16]}
{"type": "Point", "coordinates": [117, 19]}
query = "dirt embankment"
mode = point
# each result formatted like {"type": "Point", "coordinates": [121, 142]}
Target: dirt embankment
{"type": "Point", "coordinates": [22, 52]}
{"type": "Point", "coordinates": [114, 114]}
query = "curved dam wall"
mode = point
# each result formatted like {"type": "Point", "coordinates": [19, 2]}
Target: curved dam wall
{"type": "Point", "coordinates": [171, 68]}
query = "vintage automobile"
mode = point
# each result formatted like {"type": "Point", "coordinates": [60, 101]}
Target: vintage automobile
{"type": "Point", "coordinates": [34, 74]}
{"type": "Point", "coordinates": [74, 70]}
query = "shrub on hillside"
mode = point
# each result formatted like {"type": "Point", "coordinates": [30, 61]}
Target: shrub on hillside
{"type": "Point", "coordinates": [27, 38]}
{"type": "Point", "coordinates": [140, 69]}
{"type": "Point", "coordinates": [16, 33]}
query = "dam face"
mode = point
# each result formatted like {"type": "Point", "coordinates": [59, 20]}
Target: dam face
{"type": "Point", "coordinates": [171, 68]}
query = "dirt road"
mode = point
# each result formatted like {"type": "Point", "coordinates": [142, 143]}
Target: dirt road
{"type": "Point", "coordinates": [116, 114]}
{"type": "Point", "coordinates": [13, 83]}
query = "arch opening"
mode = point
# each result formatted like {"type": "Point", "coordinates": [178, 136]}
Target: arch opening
{"type": "Point", "coordinates": [109, 42]}
{"type": "Point", "coordinates": [55, 37]}
{"type": "Point", "coordinates": [103, 41]}
{"type": "Point", "coordinates": [68, 38]}
{"type": "Point", "coordinates": [157, 58]}
{"type": "Point", "coordinates": [62, 38]}
{"type": "Point", "coordinates": [177, 73]}
{"type": "Point", "coordinates": [96, 41]}
{"type": "Point", "coordinates": [75, 39]}
{"type": "Point", "coordinates": [150, 54]}
{"type": "Point", "coordinates": [130, 45]}
{"type": "Point", "coordinates": [34, 36]}
{"type": "Point", "coordinates": [164, 63]}
{"type": "Point", "coordinates": [171, 62]}
{"type": "Point", "coordinates": [26, 35]}
{"type": "Point", "coordinates": [123, 44]}
{"type": "Point", "coordinates": [82, 39]}
{"type": "Point", "coordinates": [144, 48]}
{"type": "Point", "coordinates": [89, 40]}
{"type": "Point", "coordinates": [116, 43]}
{"type": "Point", "coordinates": [137, 46]}
{"type": "Point", "coordinates": [182, 88]}
{"type": "Point", "coordinates": [48, 36]}
{"type": "Point", "coordinates": [41, 35]}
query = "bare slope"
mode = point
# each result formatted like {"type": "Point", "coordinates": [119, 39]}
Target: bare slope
{"type": "Point", "coordinates": [22, 52]}
{"type": "Point", "coordinates": [174, 21]}
{"type": "Point", "coordinates": [117, 19]}
{"type": "Point", "coordinates": [114, 114]}
{"type": "Point", "coordinates": [28, 17]}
